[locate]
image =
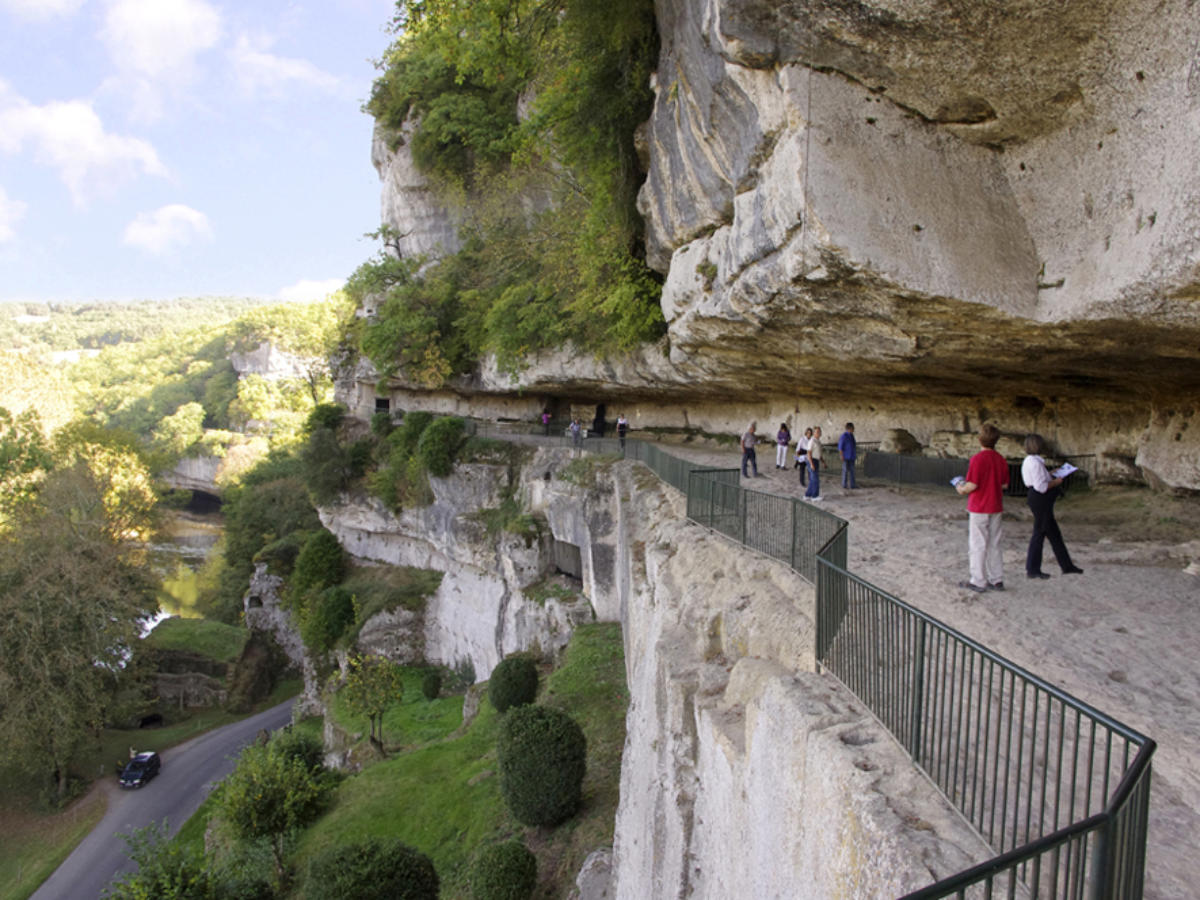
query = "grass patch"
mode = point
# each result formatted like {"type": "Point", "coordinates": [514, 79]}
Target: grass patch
{"type": "Point", "coordinates": [555, 587]}
{"type": "Point", "coordinates": [443, 797]}
{"type": "Point", "coordinates": [509, 517]}
{"type": "Point", "coordinates": [583, 469]}
{"type": "Point", "coordinates": [412, 722]}
{"type": "Point", "coordinates": [206, 637]}
{"type": "Point", "coordinates": [35, 844]}
{"type": "Point", "coordinates": [379, 589]}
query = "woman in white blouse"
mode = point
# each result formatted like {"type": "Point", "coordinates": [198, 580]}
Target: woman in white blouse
{"type": "Point", "coordinates": [1043, 491]}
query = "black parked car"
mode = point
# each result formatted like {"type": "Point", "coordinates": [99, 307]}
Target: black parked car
{"type": "Point", "coordinates": [140, 769]}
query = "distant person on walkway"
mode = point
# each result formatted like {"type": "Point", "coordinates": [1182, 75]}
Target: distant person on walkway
{"type": "Point", "coordinates": [749, 439]}
{"type": "Point", "coordinates": [783, 437]}
{"type": "Point", "coordinates": [546, 421]}
{"type": "Point", "coordinates": [987, 477]}
{"type": "Point", "coordinates": [1043, 491]}
{"type": "Point", "coordinates": [622, 430]}
{"type": "Point", "coordinates": [848, 449]}
{"type": "Point", "coordinates": [576, 433]}
{"type": "Point", "coordinates": [814, 466]}
{"type": "Point", "coordinates": [802, 443]}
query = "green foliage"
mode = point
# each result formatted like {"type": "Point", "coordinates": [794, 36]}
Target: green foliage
{"type": "Point", "coordinates": [326, 618]}
{"type": "Point", "coordinates": [320, 564]}
{"type": "Point", "coordinates": [270, 795]}
{"type": "Point", "coordinates": [325, 415]}
{"type": "Point", "coordinates": [439, 443]}
{"type": "Point", "coordinates": [431, 684]}
{"type": "Point", "coordinates": [514, 682]}
{"type": "Point", "coordinates": [373, 684]}
{"type": "Point", "coordinates": [401, 479]}
{"type": "Point", "coordinates": [404, 439]}
{"type": "Point", "coordinates": [175, 433]}
{"type": "Point", "coordinates": [270, 509]}
{"type": "Point", "coordinates": [572, 270]}
{"type": "Point", "coordinates": [440, 793]}
{"type": "Point", "coordinates": [24, 457]}
{"type": "Point", "coordinates": [542, 755]}
{"type": "Point", "coordinates": [165, 870]}
{"type": "Point", "coordinates": [505, 871]}
{"type": "Point", "coordinates": [382, 424]}
{"type": "Point", "coordinates": [74, 592]}
{"type": "Point", "coordinates": [294, 743]}
{"type": "Point", "coordinates": [374, 869]}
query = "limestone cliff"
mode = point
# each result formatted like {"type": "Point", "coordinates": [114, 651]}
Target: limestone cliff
{"type": "Point", "coordinates": [924, 213]}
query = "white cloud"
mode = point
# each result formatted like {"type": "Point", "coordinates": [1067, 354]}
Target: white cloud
{"type": "Point", "coordinates": [154, 45]}
{"type": "Point", "coordinates": [259, 72]}
{"type": "Point", "coordinates": [40, 9]}
{"type": "Point", "coordinates": [11, 212]}
{"type": "Point", "coordinates": [168, 227]}
{"type": "Point", "coordinates": [69, 136]}
{"type": "Point", "coordinates": [308, 291]}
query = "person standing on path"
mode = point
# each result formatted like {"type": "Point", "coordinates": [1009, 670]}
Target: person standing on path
{"type": "Point", "coordinates": [814, 466]}
{"type": "Point", "coordinates": [546, 421]}
{"type": "Point", "coordinates": [987, 477]}
{"type": "Point", "coordinates": [1043, 491]}
{"type": "Point", "coordinates": [783, 437]}
{"type": "Point", "coordinates": [802, 443]}
{"type": "Point", "coordinates": [622, 430]}
{"type": "Point", "coordinates": [848, 449]}
{"type": "Point", "coordinates": [749, 439]}
{"type": "Point", "coordinates": [576, 433]}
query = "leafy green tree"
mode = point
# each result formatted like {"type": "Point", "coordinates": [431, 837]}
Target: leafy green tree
{"type": "Point", "coordinates": [165, 870]}
{"type": "Point", "coordinates": [175, 433]}
{"type": "Point", "coordinates": [24, 457]}
{"type": "Point", "coordinates": [326, 618]}
{"type": "Point", "coordinates": [373, 686]}
{"type": "Point", "coordinates": [74, 592]}
{"type": "Point", "coordinates": [270, 796]}
{"type": "Point", "coordinates": [439, 443]}
{"type": "Point", "coordinates": [321, 564]}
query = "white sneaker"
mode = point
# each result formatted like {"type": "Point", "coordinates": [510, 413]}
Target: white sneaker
{"type": "Point", "coordinates": [815, 499]}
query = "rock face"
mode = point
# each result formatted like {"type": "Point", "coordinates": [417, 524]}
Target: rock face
{"type": "Point", "coordinates": [915, 208]}
{"type": "Point", "coordinates": [480, 612]}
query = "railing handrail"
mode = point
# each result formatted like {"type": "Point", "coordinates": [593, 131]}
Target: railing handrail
{"type": "Point", "coordinates": [1116, 725]}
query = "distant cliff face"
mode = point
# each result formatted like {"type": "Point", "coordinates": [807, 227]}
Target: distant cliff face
{"type": "Point", "coordinates": [891, 203]}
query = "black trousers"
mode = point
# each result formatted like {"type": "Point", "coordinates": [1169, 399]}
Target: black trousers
{"type": "Point", "coordinates": [1045, 527]}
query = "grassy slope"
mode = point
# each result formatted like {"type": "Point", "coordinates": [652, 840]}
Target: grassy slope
{"type": "Point", "coordinates": [207, 637]}
{"type": "Point", "coordinates": [443, 796]}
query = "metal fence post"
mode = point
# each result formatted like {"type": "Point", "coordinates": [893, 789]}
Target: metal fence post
{"type": "Point", "coordinates": [795, 503]}
{"type": "Point", "coordinates": [918, 710]}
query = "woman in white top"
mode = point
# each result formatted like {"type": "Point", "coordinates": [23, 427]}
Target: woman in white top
{"type": "Point", "coordinates": [802, 443]}
{"type": "Point", "coordinates": [1043, 491]}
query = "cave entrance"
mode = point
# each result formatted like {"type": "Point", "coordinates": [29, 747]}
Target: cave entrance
{"type": "Point", "coordinates": [568, 559]}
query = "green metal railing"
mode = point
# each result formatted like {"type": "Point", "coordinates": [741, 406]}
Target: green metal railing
{"type": "Point", "coordinates": [1059, 790]}
{"type": "Point", "coordinates": [1056, 787]}
{"type": "Point", "coordinates": [907, 469]}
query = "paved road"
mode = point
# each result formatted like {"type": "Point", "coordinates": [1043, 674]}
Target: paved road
{"type": "Point", "coordinates": [189, 772]}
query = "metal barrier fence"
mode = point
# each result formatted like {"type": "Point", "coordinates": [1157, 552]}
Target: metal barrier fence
{"type": "Point", "coordinates": [1058, 789]}
{"type": "Point", "coordinates": [908, 469]}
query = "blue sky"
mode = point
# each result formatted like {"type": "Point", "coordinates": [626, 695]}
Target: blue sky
{"type": "Point", "coordinates": [168, 148]}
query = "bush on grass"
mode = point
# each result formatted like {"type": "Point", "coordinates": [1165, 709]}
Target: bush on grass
{"type": "Point", "coordinates": [543, 757]}
{"type": "Point", "coordinates": [326, 618]}
{"type": "Point", "coordinates": [439, 443]}
{"type": "Point", "coordinates": [374, 869]}
{"type": "Point", "coordinates": [431, 684]}
{"type": "Point", "coordinates": [321, 563]}
{"type": "Point", "coordinates": [514, 682]}
{"type": "Point", "coordinates": [505, 871]}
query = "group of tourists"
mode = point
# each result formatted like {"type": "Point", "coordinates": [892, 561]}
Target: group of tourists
{"type": "Point", "coordinates": [808, 458]}
{"type": "Point", "coordinates": [984, 485]}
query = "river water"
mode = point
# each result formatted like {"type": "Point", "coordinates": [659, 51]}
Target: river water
{"type": "Point", "coordinates": [186, 540]}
